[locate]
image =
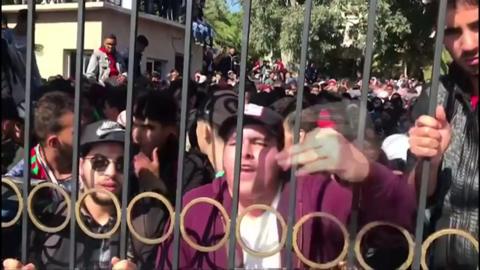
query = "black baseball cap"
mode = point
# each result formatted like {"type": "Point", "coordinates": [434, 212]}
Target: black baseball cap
{"type": "Point", "coordinates": [255, 114]}
{"type": "Point", "coordinates": [219, 106]}
{"type": "Point", "coordinates": [100, 132]}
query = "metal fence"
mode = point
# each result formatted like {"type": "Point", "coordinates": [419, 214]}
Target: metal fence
{"type": "Point", "coordinates": [417, 249]}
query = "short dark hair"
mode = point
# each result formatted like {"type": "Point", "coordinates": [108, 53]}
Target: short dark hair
{"type": "Point", "coordinates": [111, 36]}
{"type": "Point", "coordinates": [58, 84]}
{"type": "Point", "coordinates": [158, 106]}
{"type": "Point", "coordinates": [308, 119]}
{"type": "Point", "coordinates": [142, 40]}
{"type": "Point", "coordinates": [22, 15]}
{"type": "Point", "coordinates": [50, 108]}
{"type": "Point", "coordinates": [454, 3]}
{"type": "Point", "coordinates": [116, 97]}
{"type": "Point", "coordinates": [432, 7]}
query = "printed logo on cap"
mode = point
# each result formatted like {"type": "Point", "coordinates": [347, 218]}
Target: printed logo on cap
{"type": "Point", "coordinates": [253, 110]}
{"type": "Point", "coordinates": [108, 127]}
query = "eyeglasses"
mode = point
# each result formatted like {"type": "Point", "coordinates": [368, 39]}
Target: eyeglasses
{"type": "Point", "coordinates": [100, 163]}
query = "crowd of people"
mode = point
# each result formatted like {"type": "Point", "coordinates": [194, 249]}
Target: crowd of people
{"type": "Point", "coordinates": [398, 136]}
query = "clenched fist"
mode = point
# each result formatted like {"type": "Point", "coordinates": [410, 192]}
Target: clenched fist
{"type": "Point", "coordinates": [430, 136]}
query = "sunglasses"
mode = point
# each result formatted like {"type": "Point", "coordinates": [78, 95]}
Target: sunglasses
{"type": "Point", "coordinates": [100, 163]}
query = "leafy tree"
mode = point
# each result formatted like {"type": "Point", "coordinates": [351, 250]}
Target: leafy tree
{"type": "Point", "coordinates": [227, 25]}
{"type": "Point", "coordinates": [338, 31]}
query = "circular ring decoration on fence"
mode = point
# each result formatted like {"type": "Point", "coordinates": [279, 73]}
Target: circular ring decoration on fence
{"type": "Point", "coordinates": [150, 194]}
{"type": "Point", "coordinates": [261, 254]}
{"type": "Point", "coordinates": [222, 211]}
{"type": "Point", "coordinates": [426, 244]}
{"type": "Point", "coordinates": [34, 219]}
{"type": "Point", "coordinates": [371, 225]}
{"type": "Point", "coordinates": [313, 264]}
{"type": "Point", "coordinates": [13, 186]}
{"type": "Point", "coordinates": [82, 225]}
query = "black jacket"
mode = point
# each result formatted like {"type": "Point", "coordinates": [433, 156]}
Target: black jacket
{"type": "Point", "coordinates": [50, 251]}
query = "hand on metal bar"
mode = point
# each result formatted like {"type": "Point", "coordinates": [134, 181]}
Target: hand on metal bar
{"type": "Point", "coordinates": [13, 264]}
{"type": "Point", "coordinates": [430, 137]}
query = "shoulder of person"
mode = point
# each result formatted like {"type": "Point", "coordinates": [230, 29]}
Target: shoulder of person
{"type": "Point", "coordinates": [121, 54]}
{"type": "Point", "coordinates": [98, 52]}
{"type": "Point", "coordinates": [196, 158]}
{"type": "Point", "coordinates": [211, 190]}
{"type": "Point", "coordinates": [421, 103]}
{"type": "Point", "coordinates": [99, 55]}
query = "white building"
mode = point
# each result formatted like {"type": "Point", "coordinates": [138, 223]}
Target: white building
{"type": "Point", "coordinates": [56, 35]}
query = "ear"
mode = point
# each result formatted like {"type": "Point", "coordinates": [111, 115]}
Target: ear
{"type": "Point", "coordinates": [80, 168]}
{"type": "Point", "coordinates": [302, 135]}
{"type": "Point", "coordinates": [204, 132]}
{"type": "Point", "coordinates": [52, 141]}
{"type": "Point", "coordinates": [208, 134]}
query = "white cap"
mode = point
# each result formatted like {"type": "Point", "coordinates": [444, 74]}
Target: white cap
{"type": "Point", "coordinates": [122, 118]}
{"type": "Point", "coordinates": [396, 146]}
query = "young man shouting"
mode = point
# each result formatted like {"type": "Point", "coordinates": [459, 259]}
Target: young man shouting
{"type": "Point", "coordinates": [328, 164]}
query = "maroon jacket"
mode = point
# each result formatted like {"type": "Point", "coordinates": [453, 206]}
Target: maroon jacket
{"type": "Point", "coordinates": [384, 196]}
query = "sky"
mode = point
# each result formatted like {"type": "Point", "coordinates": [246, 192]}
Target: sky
{"type": "Point", "coordinates": [234, 5]}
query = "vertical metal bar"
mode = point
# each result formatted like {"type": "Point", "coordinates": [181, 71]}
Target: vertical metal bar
{"type": "Point", "coordinates": [76, 128]}
{"type": "Point", "coordinates": [183, 128]}
{"type": "Point", "coordinates": [239, 139]}
{"type": "Point", "coordinates": [128, 131]}
{"type": "Point", "coordinates": [28, 125]}
{"type": "Point", "coordinates": [296, 133]}
{"type": "Point", "coordinates": [353, 224]}
{"type": "Point", "coordinates": [440, 31]}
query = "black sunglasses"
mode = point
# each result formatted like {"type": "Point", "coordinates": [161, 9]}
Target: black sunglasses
{"type": "Point", "coordinates": [100, 163]}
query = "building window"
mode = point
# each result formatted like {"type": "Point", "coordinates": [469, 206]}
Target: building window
{"type": "Point", "coordinates": [71, 58]}
{"type": "Point", "coordinates": [156, 65]}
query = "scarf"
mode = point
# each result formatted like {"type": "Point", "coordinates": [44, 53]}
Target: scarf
{"type": "Point", "coordinates": [38, 170]}
{"type": "Point", "coordinates": [112, 62]}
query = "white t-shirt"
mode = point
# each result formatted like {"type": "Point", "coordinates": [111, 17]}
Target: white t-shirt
{"type": "Point", "coordinates": [261, 234]}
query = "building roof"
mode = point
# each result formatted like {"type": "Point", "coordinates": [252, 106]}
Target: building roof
{"type": "Point", "coordinates": [59, 7]}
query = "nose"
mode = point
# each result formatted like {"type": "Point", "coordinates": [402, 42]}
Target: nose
{"type": "Point", "coordinates": [470, 41]}
{"type": "Point", "coordinates": [110, 170]}
{"type": "Point", "coordinates": [247, 150]}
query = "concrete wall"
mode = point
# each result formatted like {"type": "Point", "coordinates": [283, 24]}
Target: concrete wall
{"type": "Point", "coordinates": [57, 32]}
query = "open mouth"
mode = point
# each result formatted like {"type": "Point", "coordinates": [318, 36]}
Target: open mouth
{"type": "Point", "coordinates": [473, 61]}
